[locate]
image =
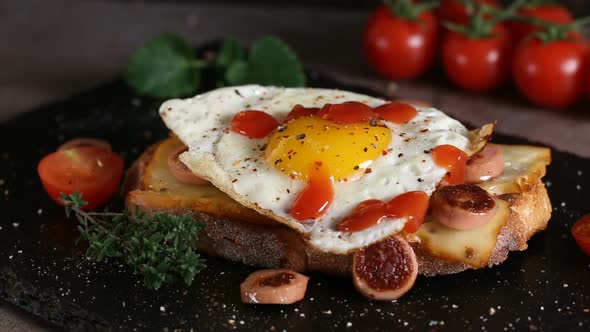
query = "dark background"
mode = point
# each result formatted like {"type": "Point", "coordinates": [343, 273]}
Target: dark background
{"type": "Point", "coordinates": [580, 7]}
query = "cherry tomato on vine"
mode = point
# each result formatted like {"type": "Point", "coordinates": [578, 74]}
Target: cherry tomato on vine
{"type": "Point", "coordinates": [400, 45]}
{"type": "Point", "coordinates": [91, 170]}
{"type": "Point", "coordinates": [456, 12]}
{"type": "Point", "coordinates": [548, 12]}
{"type": "Point", "coordinates": [477, 64]}
{"type": "Point", "coordinates": [552, 74]}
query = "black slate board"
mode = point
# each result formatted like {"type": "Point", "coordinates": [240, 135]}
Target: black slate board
{"type": "Point", "coordinates": [42, 271]}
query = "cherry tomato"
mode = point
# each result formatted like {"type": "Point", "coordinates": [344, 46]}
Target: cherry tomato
{"type": "Point", "coordinates": [480, 64]}
{"type": "Point", "coordinates": [581, 233]}
{"type": "Point", "coordinates": [548, 12]}
{"type": "Point", "coordinates": [397, 48]}
{"type": "Point", "coordinates": [456, 12]}
{"type": "Point", "coordinates": [551, 74]}
{"type": "Point", "coordinates": [93, 171]}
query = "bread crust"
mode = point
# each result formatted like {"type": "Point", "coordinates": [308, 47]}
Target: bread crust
{"type": "Point", "coordinates": [273, 245]}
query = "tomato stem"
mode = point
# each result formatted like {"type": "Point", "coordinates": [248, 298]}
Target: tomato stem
{"type": "Point", "coordinates": [408, 10]}
{"type": "Point", "coordinates": [553, 32]}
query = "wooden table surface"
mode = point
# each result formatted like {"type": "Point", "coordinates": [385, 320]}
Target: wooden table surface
{"type": "Point", "coordinates": [53, 49]}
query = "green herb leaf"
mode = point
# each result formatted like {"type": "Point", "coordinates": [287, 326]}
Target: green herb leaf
{"type": "Point", "coordinates": [164, 67]}
{"type": "Point", "coordinates": [161, 247]}
{"type": "Point", "coordinates": [236, 73]}
{"type": "Point", "coordinates": [270, 62]}
{"type": "Point", "coordinates": [231, 51]}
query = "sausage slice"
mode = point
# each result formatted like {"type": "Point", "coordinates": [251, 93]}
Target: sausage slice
{"type": "Point", "coordinates": [385, 270]}
{"type": "Point", "coordinates": [463, 206]}
{"type": "Point", "coordinates": [485, 165]}
{"type": "Point", "coordinates": [180, 171]}
{"type": "Point", "coordinates": [274, 287]}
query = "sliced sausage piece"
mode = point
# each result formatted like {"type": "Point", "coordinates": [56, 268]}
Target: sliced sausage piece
{"type": "Point", "coordinates": [485, 165]}
{"type": "Point", "coordinates": [274, 287]}
{"type": "Point", "coordinates": [385, 270]}
{"type": "Point", "coordinates": [180, 171]}
{"type": "Point", "coordinates": [85, 141]}
{"type": "Point", "coordinates": [463, 206]}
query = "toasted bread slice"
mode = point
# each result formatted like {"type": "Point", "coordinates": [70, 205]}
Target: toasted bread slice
{"type": "Point", "coordinates": [237, 233]}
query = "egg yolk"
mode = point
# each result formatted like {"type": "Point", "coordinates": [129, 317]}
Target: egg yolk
{"type": "Point", "coordinates": [347, 150]}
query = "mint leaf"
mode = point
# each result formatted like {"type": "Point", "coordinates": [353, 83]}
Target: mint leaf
{"type": "Point", "coordinates": [271, 62]}
{"type": "Point", "coordinates": [236, 73]}
{"type": "Point", "coordinates": [164, 67]}
{"type": "Point", "coordinates": [231, 51]}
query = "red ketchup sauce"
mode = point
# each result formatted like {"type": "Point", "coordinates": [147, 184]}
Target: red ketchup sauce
{"type": "Point", "coordinates": [411, 206]}
{"type": "Point", "coordinates": [299, 111]}
{"type": "Point", "coordinates": [453, 160]}
{"type": "Point", "coordinates": [317, 196]}
{"type": "Point", "coordinates": [347, 112]}
{"type": "Point", "coordinates": [396, 112]}
{"type": "Point", "coordinates": [254, 124]}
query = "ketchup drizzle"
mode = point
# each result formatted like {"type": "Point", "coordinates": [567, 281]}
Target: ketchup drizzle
{"type": "Point", "coordinates": [411, 206]}
{"type": "Point", "coordinates": [454, 160]}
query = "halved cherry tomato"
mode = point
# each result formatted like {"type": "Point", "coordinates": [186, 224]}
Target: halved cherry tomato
{"type": "Point", "coordinates": [548, 12]}
{"type": "Point", "coordinates": [581, 233]}
{"type": "Point", "coordinates": [456, 12]}
{"type": "Point", "coordinates": [552, 74]}
{"type": "Point", "coordinates": [93, 171]}
{"type": "Point", "coordinates": [399, 48]}
{"type": "Point", "coordinates": [480, 64]}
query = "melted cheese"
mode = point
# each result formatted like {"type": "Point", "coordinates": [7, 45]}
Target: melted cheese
{"type": "Point", "coordinates": [524, 166]}
{"type": "Point", "coordinates": [472, 247]}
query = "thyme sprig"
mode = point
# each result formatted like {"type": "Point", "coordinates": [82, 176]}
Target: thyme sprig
{"type": "Point", "coordinates": [161, 247]}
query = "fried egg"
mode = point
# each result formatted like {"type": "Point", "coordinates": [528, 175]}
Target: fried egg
{"type": "Point", "coordinates": [378, 161]}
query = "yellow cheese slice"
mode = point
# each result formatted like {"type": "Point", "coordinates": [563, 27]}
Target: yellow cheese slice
{"type": "Point", "coordinates": [472, 247]}
{"type": "Point", "coordinates": [524, 165]}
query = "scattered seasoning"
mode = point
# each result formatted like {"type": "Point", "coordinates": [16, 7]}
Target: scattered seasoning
{"type": "Point", "coordinates": [424, 130]}
{"type": "Point", "coordinates": [355, 167]}
{"type": "Point", "coordinates": [420, 180]}
{"type": "Point", "coordinates": [234, 180]}
{"type": "Point", "coordinates": [162, 309]}
{"type": "Point", "coordinates": [368, 170]}
{"type": "Point", "coordinates": [278, 161]}
{"type": "Point", "coordinates": [282, 128]}
{"type": "Point", "coordinates": [300, 136]}
{"type": "Point", "coordinates": [262, 148]}
{"type": "Point", "coordinates": [373, 122]}
{"type": "Point", "coordinates": [238, 93]}
{"type": "Point", "coordinates": [427, 151]}
{"type": "Point", "coordinates": [365, 149]}
{"type": "Point", "coordinates": [400, 155]}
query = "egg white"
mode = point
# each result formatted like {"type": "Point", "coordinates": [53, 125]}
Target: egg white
{"type": "Point", "coordinates": [236, 164]}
